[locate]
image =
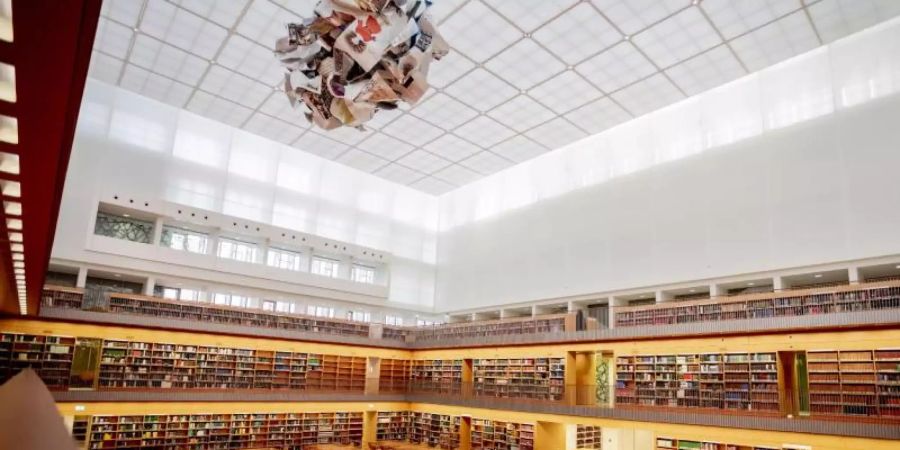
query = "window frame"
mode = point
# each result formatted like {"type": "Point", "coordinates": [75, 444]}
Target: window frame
{"type": "Point", "coordinates": [369, 270]}
{"type": "Point", "coordinates": [317, 261]}
{"type": "Point", "coordinates": [237, 246]}
{"type": "Point", "coordinates": [279, 253]}
{"type": "Point", "coordinates": [178, 231]}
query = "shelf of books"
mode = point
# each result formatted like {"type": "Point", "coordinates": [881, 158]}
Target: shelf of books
{"type": "Point", "coordinates": [276, 431]}
{"type": "Point", "coordinates": [80, 430]}
{"type": "Point", "coordinates": [62, 297]}
{"type": "Point", "coordinates": [588, 437]}
{"type": "Point", "coordinates": [823, 300]}
{"type": "Point", "coordinates": [496, 435]}
{"type": "Point", "coordinates": [539, 378]}
{"type": "Point", "coordinates": [392, 426]}
{"type": "Point", "coordinates": [49, 356]}
{"type": "Point", "coordinates": [435, 430]}
{"type": "Point", "coordinates": [738, 381]}
{"type": "Point", "coordinates": [551, 323]}
{"type": "Point", "coordinates": [664, 443]}
{"type": "Point", "coordinates": [395, 333]}
{"type": "Point", "coordinates": [436, 371]}
{"type": "Point", "coordinates": [854, 382]}
{"type": "Point", "coordinates": [394, 375]}
{"type": "Point", "coordinates": [137, 365]}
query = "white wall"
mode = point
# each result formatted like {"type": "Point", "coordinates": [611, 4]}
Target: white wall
{"type": "Point", "coordinates": [131, 146]}
{"type": "Point", "coordinates": [792, 166]}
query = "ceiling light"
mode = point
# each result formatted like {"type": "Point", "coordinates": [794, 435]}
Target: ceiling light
{"type": "Point", "coordinates": [19, 264]}
{"type": "Point", "coordinates": [20, 276]}
{"type": "Point", "coordinates": [117, 275]}
{"type": "Point", "coordinates": [7, 82]}
{"type": "Point", "coordinates": [898, 266]}
{"type": "Point", "coordinates": [126, 215]}
{"type": "Point", "coordinates": [12, 208]}
{"type": "Point", "coordinates": [13, 224]}
{"type": "Point", "coordinates": [693, 290]}
{"type": "Point", "coordinates": [17, 247]}
{"type": "Point", "coordinates": [18, 271]}
{"type": "Point", "coordinates": [15, 236]}
{"type": "Point", "coordinates": [9, 162]}
{"type": "Point", "coordinates": [10, 188]}
{"type": "Point", "coordinates": [6, 27]}
{"type": "Point", "coordinates": [818, 275]}
{"type": "Point", "coordinates": [18, 257]}
{"type": "Point", "coordinates": [751, 284]}
{"type": "Point", "coordinates": [9, 129]}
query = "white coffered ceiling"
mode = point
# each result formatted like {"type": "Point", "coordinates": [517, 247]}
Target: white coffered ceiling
{"type": "Point", "coordinates": [525, 76]}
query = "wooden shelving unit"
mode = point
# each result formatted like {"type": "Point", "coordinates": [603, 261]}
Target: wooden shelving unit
{"type": "Point", "coordinates": [813, 301]}
{"type": "Point", "coordinates": [664, 443]}
{"type": "Point", "coordinates": [737, 381]}
{"type": "Point", "coordinates": [49, 356]}
{"type": "Point", "coordinates": [854, 382]}
{"type": "Point", "coordinates": [496, 435]}
{"type": "Point", "coordinates": [589, 437]}
{"type": "Point", "coordinates": [435, 430]}
{"type": "Point", "coordinates": [62, 297]}
{"type": "Point", "coordinates": [80, 426]}
{"type": "Point", "coordinates": [437, 371]}
{"type": "Point", "coordinates": [539, 378]}
{"type": "Point", "coordinates": [276, 431]}
{"type": "Point", "coordinates": [394, 374]}
{"type": "Point", "coordinates": [393, 426]}
{"type": "Point", "coordinates": [551, 323]}
{"type": "Point", "coordinates": [146, 365]}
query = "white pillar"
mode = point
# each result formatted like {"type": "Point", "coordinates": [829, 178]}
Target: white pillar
{"type": "Point", "coordinates": [262, 252]}
{"type": "Point", "coordinates": [777, 283]}
{"type": "Point", "coordinates": [345, 266]}
{"type": "Point", "coordinates": [149, 285]}
{"type": "Point", "coordinates": [715, 290]}
{"type": "Point", "coordinates": [661, 297]}
{"type": "Point", "coordinates": [853, 274]}
{"type": "Point", "coordinates": [212, 243]}
{"type": "Point", "coordinates": [614, 303]}
{"type": "Point", "coordinates": [157, 230]}
{"type": "Point", "coordinates": [81, 281]}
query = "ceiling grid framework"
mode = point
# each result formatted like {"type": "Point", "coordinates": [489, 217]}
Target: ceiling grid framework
{"type": "Point", "coordinates": [524, 77]}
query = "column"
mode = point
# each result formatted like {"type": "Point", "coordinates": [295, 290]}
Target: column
{"type": "Point", "coordinates": [549, 435]}
{"type": "Point", "coordinates": [661, 297]}
{"type": "Point", "coordinates": [715, 290]}
{"type": "Point", "coordinates": [370, 427]}
{"type": "Point", "coordinates": [777, 283]}
{"type": "Point", "coordinates": [157, 230]}
{"type": "Point", "coordinates": [571, 436]}
{"type": "Point", "coordinates": [614, 302]}
{"type": "Point", "coordinates": [81, 281]}
{"type": "Point", "coordinates": [212, 243]}
{"type": "Point", "coordinates": [345, 266]}
{"type": "Point", "coordinates": [149, 285]}
{"type": "Point", "coordinates": [853, 274]}
{"type": "Point", "coordinates": [465, 433]}
{"type": "Point", "coordinates": [262, 252]}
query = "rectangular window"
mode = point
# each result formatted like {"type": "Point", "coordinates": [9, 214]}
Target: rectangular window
{"type": "Point", "coordinates": [325, 267]}
{"type": "Point", "coordinates": [319, 311]}
{"type": "Point", "coordinates": [181, 239]}
{"type": "Point", "coordinates": [123, 227]}
{"type": "Point", "coordinates": [237, 250]}
{"type": "Point", "coordinates": [359, 316]}
{"type": "Point", "coordinates": [283, 259]}
{"type": "Point", "coordinates": [237, 301]}
{"type": "Point", "coordinates": [363, 274]}
{"type": "Point", "coordinates": [426, 323]}
{"type": "Point", "coordinates": [393, 320]}
{"type": "Point", "coordinates": [221, 299]}
{"type": "Point", "coordinates": [268, 305]}
{"type": "Point", "coordinates": [285, 307]}
{"type": "Point", "coordinates": [180, 294]}
{"type": "Point", "coordinates": [170, 293]}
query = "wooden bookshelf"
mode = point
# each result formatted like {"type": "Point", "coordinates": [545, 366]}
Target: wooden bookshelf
{"type": "Point", "coordinates": [803, 302]}
{"type": "Point", "coordinates": [436, 371]}
{"type": "Point", "coordinates": [80, 426]}
{"type": "Point", "coordinates": [276, 431]}
{"type": "Point", "coordinates": [496, 435]}
{"type": "Point", "coordinates": [588, 437]}
{"type": "Point", "coordinates": [854, 382]}
{"type": "Point", "coordinates": [150, 365]}
{"type": "Point", "coordinates": [49, 356]}
{"type": "Point", "coordinates": [62, 297]}
{"type": "Point", "coordinates": [394, 374]}
{"type": "Point", "coordinates": [435, 430]}
{"type": "Point", "coordinates": [551, 323]}
{"type": "Point", "coordinates": [665, 443]}
{"type": "Point", "coordinates": [393, 426]}
{"type": "Point", "coordinates": [736, 381]}
{"type": "Point", "coordinates": [538, 378]}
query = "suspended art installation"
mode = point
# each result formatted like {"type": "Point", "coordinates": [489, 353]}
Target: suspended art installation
{"type": "Point", "coordinates": [356, 57]}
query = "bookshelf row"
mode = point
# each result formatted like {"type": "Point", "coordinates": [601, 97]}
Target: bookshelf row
{"type": "Point", "coordinates": [49, 356]}
{"type": "Point", "coordinates": [877, 296]}
{"type": "Point", "coordinates": [539, 378]}
{"type": "Point", "coordinates": [738, 381]}
{"type": "Point", "coordinates": [497, 435]}
{"type": "Point", "coordinates": [433, 430]}
{"type": "Point", "coordinates": [225, 431]}
{"type": "Point", "coordinates": [394, 374]}
{"type": "Point", "coordinates": [437, 371]}
{"type": "Point", "coordinates": [854, 382]}
{"type": "Point", "coordinates": [664, 443]}
{"type": "Point", "coordinates": [588, 437]}
{"type": "Point", "coordinates": [69, 298]}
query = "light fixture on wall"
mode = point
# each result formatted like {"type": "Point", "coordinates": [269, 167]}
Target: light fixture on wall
{"type": "Point", "coordinates": [818, 275]}
{"type": "Point", "coordinates": [353, 59]}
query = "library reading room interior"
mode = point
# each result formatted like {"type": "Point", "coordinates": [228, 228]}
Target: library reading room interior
{"type": "Point", "coordinates": [366, 224]}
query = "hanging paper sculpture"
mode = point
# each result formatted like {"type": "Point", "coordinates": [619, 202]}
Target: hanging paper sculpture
{"type": "Point", "coordinates": [356, 57]}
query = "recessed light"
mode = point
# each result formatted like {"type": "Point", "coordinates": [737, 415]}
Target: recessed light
{"type": "Point", "coordinates": [898, 266]}
{"type": "Point", "coordinates": [19, 271]}
{"type": "Point", "coordinates": [19, 264]}
{"type": "Point", "coordinates": [693, 290]}
{"type": "Point", "coordinates": [18, 257]}
{"type": "Point", "coordinates": [818, 275]}
{"type": "Point", "coordinates": [117, 275]}
{"type": "Point", "coordinates": [15, 237]}
{"type": "Point", "coordinates": [13, 224]}
{"type": "Point", "coordinates": [12, 208]}
{"type": "Point", "coordinates": [7, 187]}
{"type": "Point", "coordinates": [20, 276]}
{"type": "Point", "coordinates": [126, 215]}
{"type": "Point", "coordinates": [751, 284]}
{"type": "Point", "coordinates": [16, 247]}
